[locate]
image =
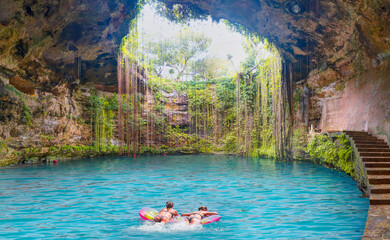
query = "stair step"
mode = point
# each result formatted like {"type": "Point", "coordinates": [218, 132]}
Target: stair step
{"type": "Point", "coordinates": [374, 154]}
{"type": "Point", "coordinates": [365, 141]}
{"type": "Point", "coordinates": [364, 137]}
{"type": "Point", "coordinates": [374, 149]}
{"type": "Point", "coordinates": [375, 159]}
{"type": "Point", "coordinates": [355, 133]}
{"type": "Point", "coordinates": [379, 188]}
{"type": "Point", "coordinates": [378, 171]}
{"type": "Point", "coordinates": [380, 199]}
{"type": "Point", "coordinates": [376, 164]}
{"type": "Point", "coordinates": [377, 145]}
{"type": "Point", "coordinates": [379, 179]}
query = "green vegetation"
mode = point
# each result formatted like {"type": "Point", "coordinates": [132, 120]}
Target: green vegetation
{"type": "Point", "coordinates": [3, 148]}
{"type": "Point", "coordinates": [244, 112]}
{"type": "Point", "coordinates": [234, 114]}
{"type": "Point", "coordinates": [26, 113]}
{"type": "Point", "coordinates": [35, 154]}
{"type": "Point", "coordinates": [333, 152]}
{"type": "Point", "coordinates": [177, 54]}
{"type": "Point", "coordinates": [13, 89]}
{"type": "Point", "coordinates": [300, 141]}
{"type": "Point", "coordinates": [180, 13]}
{"type": "Point", "coordinates": [46, 138]}
{"type": "Point", "coordinates": [103, 114]}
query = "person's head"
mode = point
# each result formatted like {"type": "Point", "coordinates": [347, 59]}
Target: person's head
{"type": "Point", "coordinates": [169, 204]}
{"type": "Point", "coordinates": [202, 208]}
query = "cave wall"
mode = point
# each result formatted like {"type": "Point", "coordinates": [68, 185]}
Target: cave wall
{"type": "Point", "coordinates": [48, 42]}
{"type": "Point", "coordinates": [51, 55]}
{"type": "Point", "coordinates": [176, 114]}
{"type": "Point", "coordinates": [363, 105]}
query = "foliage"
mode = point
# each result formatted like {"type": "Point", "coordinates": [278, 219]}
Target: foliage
{"type": "Point", "coordinates": [243, 104]}
{"type": "Point", "coordinates": [13, 89]}
{"type": "Point", "coordinates": [230, 143]}
{"type": "Point", "coordinates": [26, 113]}
{"type": "Point", "coordinates": [334, 153]}
{"type": "Point", "coordinates": [208, 68]}
{"type": "Point", "coordinates": [103, 109]}
{"type": "Point", "coordinates": [300, 142]}
{"type": "Point", "coordinates": [46, 138]}
{"type": "Point", "coordinates": [176, 136]}
{"type": "Point", "coordinates": [180, 13]}
{"type": "Point", "coordinates": [175, 54]}
{"type": "Point", "coordinates": [156, 84]}
{"type": "Point", "coordinates": [245, 113]}
{"type": "Point", "coordinates": [3, 148]}
{"type": "Point", "coordinates": [17, 153]}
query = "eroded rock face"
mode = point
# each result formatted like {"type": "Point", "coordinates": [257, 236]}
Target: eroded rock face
{"type": "Point", "coordinates": [175, 112]}
{"type": "Point", "coordinates": [41, 121]}
{"type": "Point", "coordinates": [362, 105]}
{"type": "Point", "coordinates": [47, 42]}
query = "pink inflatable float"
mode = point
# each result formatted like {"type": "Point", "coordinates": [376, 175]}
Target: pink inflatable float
{"type": "Point", "coordinates": [149, 213]}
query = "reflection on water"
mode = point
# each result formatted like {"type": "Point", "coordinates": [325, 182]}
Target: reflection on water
{"type": "Point", "coordinates": [257, 199]}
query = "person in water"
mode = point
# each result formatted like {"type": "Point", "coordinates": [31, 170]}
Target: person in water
{"type": "Point", "coordinates": [166, 213]}
{"type": "Point", "coordinates": [196, 217]}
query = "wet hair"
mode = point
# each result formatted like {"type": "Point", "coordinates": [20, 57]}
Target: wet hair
{"type": "Point", "coordinates": [202, 208]}
{"type": "Point", "coordinates": [169, 204]}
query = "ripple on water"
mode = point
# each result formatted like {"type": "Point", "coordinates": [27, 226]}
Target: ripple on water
{"type": "Point", "coordinates": [257, 199]}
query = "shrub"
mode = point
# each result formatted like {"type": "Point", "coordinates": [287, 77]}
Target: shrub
{"type": "Point", "coordinates": [26, 114]}
{"type": "Point", "coordinates": [335, 153]}
{"type": "Point", "coordinates": [230, 141]}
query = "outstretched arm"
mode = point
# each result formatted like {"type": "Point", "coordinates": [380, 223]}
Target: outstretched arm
{"type": "Point", "coordinates": [175, 213]}
{"type": "Point", "coordinates": [185, 214]}
{"type": "Point", "coordinates": [210, 213]}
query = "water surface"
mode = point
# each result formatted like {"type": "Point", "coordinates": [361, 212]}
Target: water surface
{"type": "Point", "coordinates": [257, 199]}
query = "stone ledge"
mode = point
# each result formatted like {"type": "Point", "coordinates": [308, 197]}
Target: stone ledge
{"type": "Point", "coordinates": [378, 223]}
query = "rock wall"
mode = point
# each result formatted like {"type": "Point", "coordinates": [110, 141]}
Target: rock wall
{"type": "Point", "coordinates": [39, 122]}
{"type": "Point", "coordinates": [175, 114]}
{"type": "Point", "coordinates": [363, 105]}
{"type": "Point", "coordinates": [47, 49]}
{"type": "Point", "coordinates": [48, 42]}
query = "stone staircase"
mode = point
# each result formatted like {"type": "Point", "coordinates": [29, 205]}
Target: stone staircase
{"type": "Point", "coordinates": [375, 154]}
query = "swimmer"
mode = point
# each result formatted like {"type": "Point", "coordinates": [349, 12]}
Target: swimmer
{"type": "Point", "coordinates": [166, 213]}
{"type": "Point", "coordinates": [196, 217]}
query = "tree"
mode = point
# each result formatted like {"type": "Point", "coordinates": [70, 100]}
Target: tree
{"type": "Point", "coordinates": [176, 53]}
{"type": "Point", "coordinates": [159, 55]}
{"type": "Point", "coordinates": [209, 68]}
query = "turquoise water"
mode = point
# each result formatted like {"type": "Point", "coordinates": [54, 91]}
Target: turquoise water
{"type": "Point", "coordinates": [257, 199]}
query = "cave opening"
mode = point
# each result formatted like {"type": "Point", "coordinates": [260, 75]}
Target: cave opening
{"type": "Point", "coordinates": [190, 84]}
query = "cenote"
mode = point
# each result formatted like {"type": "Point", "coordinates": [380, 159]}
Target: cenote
{"type": "Point", "coordinates": [257, 199]}
{"type": "Point", "coordinates": [189, 101]}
